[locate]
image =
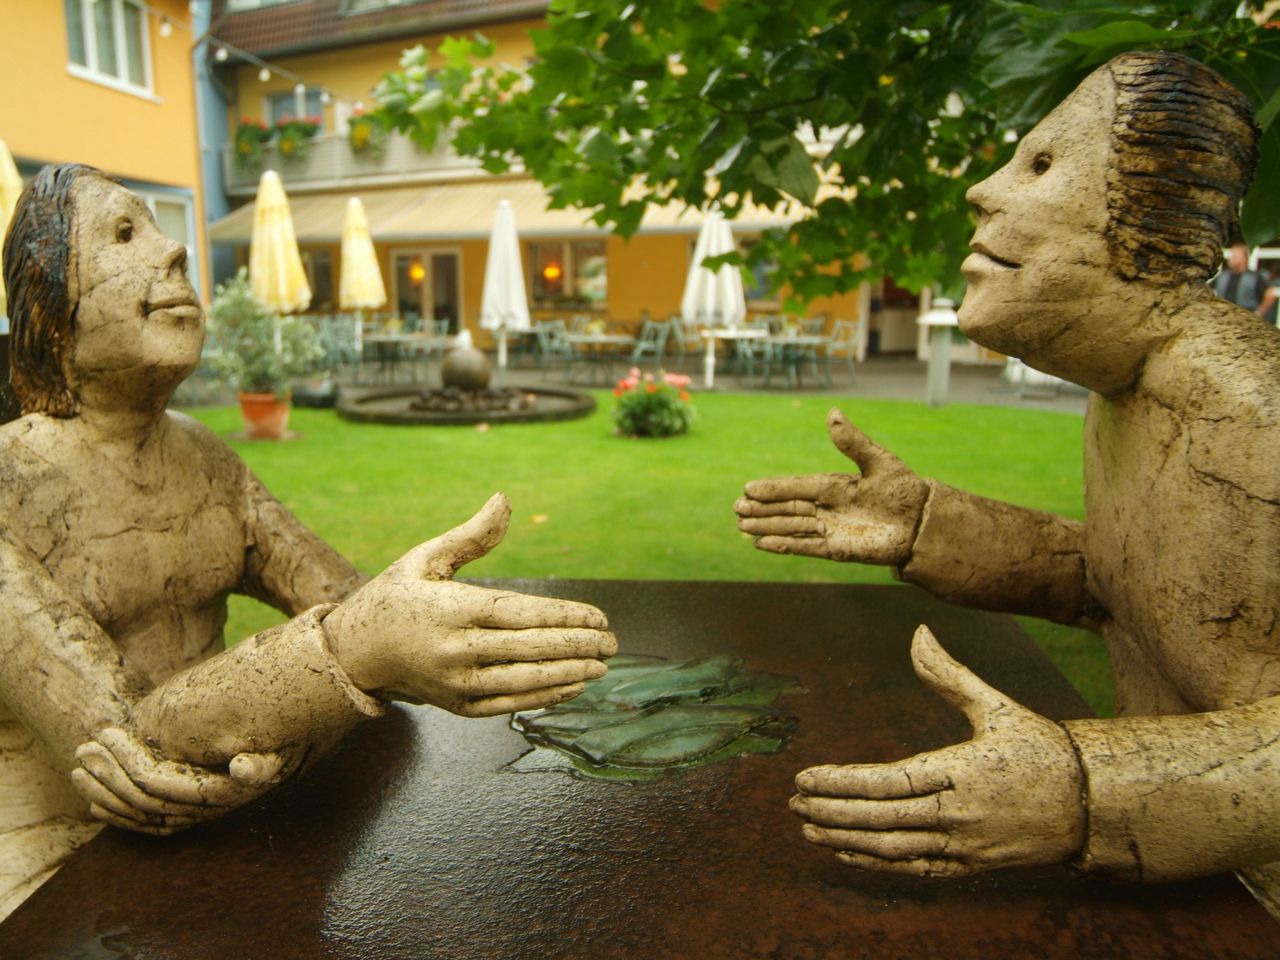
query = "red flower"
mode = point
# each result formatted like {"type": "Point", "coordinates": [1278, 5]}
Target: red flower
{"type": "Point", "coordinates": [651, 387]}
{"type": "Point", "coordinates": [684, 395]}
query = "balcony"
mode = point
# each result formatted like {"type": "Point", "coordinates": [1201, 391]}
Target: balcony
{"type": "Point", "coordinates": [331, 164]}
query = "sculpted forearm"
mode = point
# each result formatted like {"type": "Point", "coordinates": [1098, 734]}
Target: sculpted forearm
{"type": "Point", "coordinates": [286, 564]}
{"type": "Point", "coordinates": [986, 553]}
{"type": "Point", "coordinates": [60, 673]}
{"type": "Point", "coordinates": [280, 691]}
{"type": "Point", "coordinates": [1181, 796]}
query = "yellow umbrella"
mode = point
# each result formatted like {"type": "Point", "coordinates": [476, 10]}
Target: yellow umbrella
{"type": "Point", "coordinates": [10, 187]}
{"type": "Point", "coordinates": [360, 282]}
{"type": "Point", "coordinates": [275, 266]}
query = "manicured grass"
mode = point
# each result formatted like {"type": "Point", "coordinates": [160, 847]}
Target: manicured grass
{"type": "Point", "coordinates": [589, 504]}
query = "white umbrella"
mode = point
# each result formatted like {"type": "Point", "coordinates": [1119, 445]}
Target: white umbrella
{"type": "Point", "coordinates": [713, 298]}
{"type": "Point", "coordinates": [360, 284]}
{"type": "Point", "coordinates": [716, 298]}
{"type": "Point", "coordinates": [504, 306]}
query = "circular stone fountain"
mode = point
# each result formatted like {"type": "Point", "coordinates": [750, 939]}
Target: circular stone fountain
{"type": "Point", "coordinates": [465, 398]}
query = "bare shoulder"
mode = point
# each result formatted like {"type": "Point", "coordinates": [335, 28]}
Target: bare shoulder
{"type": "Point", "coordinates": [1225, 379]}
{"type": "Point", "coordinates": [193, 439]}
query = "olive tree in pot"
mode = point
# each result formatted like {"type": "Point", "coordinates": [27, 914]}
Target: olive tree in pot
{"type": "Point", "coordinates": [259, 353]}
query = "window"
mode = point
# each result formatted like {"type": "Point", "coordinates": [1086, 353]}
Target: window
{"type": "Point", "coordinates": [319, 267]}
{"type": "Point", "coordinates": [569, 273]}
{"type": "Point", "coordinates": [286, 104]}
{"type": "Point", "coordinates": [759, 291]}
{"type": "Point", "coordinates": [108, 41]}
{"type": "Point", "coordinates": [173, 213]}
{"type": "Point", "coordinates": [366, 6]}
{"type": "Point", "coordinates": [235, 6]}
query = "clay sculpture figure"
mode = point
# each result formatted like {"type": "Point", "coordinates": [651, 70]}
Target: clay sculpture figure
{"type": "Point", "coordinates": [124, 529]}
{"type": "Point", "coordinates": [1089, 262]}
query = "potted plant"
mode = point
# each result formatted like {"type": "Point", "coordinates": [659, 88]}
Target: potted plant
{"type": "Point", "coordinates": [650, 406]}
{"type": "Point", "coordinates": [366, 136]}
{"type": "Point", "coordinates": [251, 136]}
{"type": "Point", "coordinates": [293, 137]}
{"type": "Point", "coordinates": [259, 353]}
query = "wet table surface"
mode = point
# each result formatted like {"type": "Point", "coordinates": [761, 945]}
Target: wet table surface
{"type": "Point", "coordinates": [411, 840]}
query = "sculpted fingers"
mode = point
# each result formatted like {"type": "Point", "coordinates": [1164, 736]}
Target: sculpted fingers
{"type": "Point", "coordinates": [814, 487]}
{"type": "Point", "coordinates": [849, 814]}
{"type": "Point", "coordinates": [531, 700]}
{"type": "Point", "coordinates": [918, 867]}
{"type": "Point", "coordinates": [515, 611]}
{"type": "Point", "coordinates": [490, 647]}
{"type": "Point", "coordinates": [518, 678]}
{"type": "Point", "coordinates": [442, 557]}
{"type": "Point", "coordinates": [885, 844]}
{"type": "Point", "coordinates": [746, 507]}
{"type": "Point", "coordinates": [124, 823]}
{"type": "Point", "coordinates": [184, 788]}
{"type": "Point", "coordinates": [914, 777]}
{"type": "Point", "coordinates": [100, 771]}
{"type": "Point", "coordinates": [781, 526]}
{"type": "Point", "coordinates": [858, 447]}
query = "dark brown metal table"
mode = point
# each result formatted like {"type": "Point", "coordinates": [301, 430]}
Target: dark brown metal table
{"type": "Point", "coordinates": [412, 841]}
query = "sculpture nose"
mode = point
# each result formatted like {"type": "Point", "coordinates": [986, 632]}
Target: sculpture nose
{"type": "Point", "coordinates": [176, 258]}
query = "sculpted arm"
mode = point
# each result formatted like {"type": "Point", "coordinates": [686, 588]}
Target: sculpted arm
{"type": "Point", "coordinates": [962, 548]}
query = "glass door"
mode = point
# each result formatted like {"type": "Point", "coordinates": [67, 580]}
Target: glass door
{"type": "Point", "coordinates": [428, 287]}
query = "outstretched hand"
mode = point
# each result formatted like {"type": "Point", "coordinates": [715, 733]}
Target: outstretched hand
{"type": "Point", "coordinates": [129, 786]}
{"type": "Point", "coordinates": [870, 518]}
{"type": "Point", "coordinates": [414, 634]}
{"type": "Point", "coordinates": [1009, 797]}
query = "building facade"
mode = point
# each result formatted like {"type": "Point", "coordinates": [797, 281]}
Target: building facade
{"type": "Point", "coordinates": [109, 83]}
{"type": "Point", "coordinates": [430, 213]}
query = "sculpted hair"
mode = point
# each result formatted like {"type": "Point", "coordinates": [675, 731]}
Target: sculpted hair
{"type": "Point", "coordinates": [37, 259]}
{"type": "Point", "coordinates": [1183, 149]}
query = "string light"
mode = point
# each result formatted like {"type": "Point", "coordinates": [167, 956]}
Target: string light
{"type": "Point", "coordinates": [264, 74]}
{"type": "Point", "coordinates": [166, 28]}
{"type": "Point", "coordinates": [220, 54]}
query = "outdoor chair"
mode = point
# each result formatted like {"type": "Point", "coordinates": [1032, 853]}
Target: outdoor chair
{"type": "Point", "coordinates": [652, 342]}
{"type": "Point", "coordinates": [846, 344]}
{"type": "Point", "coordinates": [683, 340]}
{"type": "Point", "coordinates": [552, 345]}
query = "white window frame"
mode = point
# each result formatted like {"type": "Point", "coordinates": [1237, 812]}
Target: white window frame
{"type": "Point", "coordinates": [150, 197]}
{"type": "Point", "coordinates": [89, 71]}
{"type": "Point", "coordinates": [569, 256]}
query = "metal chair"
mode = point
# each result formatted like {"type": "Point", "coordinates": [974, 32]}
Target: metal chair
{"type": "Point", "coordinates": [552, 345]}
{"type": "Point", "coordinates": [846, 344]}
{"type": "Point", "coordinates": [652, 342]}
{"type": "Point", "coordinates": [683, 341]}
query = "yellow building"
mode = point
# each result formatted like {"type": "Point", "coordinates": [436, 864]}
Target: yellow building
{"type": "Point", "coordinates": [430, 213]}
{"type": "Point", "coordinates": [109, 83]}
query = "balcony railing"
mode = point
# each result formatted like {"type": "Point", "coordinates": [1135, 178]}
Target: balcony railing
{"type": "Point", "coordinates": [331, 162]}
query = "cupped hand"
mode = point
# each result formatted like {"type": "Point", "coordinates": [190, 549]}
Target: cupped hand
{"type": "Point", "coordinates": [413, 633]}
{"type": "Point", "coordinates": [1009, 797]}
{"type": "Point", "coordinates": [129, 786]}
{"type": "Point", "coordinates": [869, 518]}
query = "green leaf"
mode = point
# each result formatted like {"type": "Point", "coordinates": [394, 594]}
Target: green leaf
{"type": "Point", "coordinates": [1125, 33]}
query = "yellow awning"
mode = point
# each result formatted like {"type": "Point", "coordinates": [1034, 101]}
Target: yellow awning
{"type": "Point", "coordinates": [464, 211]}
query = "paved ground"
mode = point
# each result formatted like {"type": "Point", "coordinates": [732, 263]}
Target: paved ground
{"type": "Point", "coordinates": [892, 377]}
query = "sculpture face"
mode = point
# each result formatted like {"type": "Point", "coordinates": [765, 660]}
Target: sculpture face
{"type": "Point", "coordinates": [1040, 252]}
{"type": "Point", "coordinates": [135, 306]}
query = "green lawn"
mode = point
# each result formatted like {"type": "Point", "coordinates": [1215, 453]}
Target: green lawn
{"type": "Point", "coordinates": [589, 504]}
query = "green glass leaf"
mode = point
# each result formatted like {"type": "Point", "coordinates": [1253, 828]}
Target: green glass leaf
{"type": "Point", "coordinates": [648, 715]}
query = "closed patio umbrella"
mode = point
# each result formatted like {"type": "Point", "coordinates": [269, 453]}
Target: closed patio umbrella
{"type": "Point", "coordinates": [713, 298]}
{"type": "Point", "coordinates": [275, 266]}
{"type": "Point", "coordinates": [504, 305]}
{"type": "Point", "coordinates": [360, 284]}
{"type": "Point", "coordinates": [10, 187]}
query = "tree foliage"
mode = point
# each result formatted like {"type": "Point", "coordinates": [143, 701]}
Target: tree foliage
{"type": "Point", "coordinates": [872, 119]}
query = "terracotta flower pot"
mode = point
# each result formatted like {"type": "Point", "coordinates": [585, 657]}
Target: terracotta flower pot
{"type": "Point", "coordinates": [265, 415]}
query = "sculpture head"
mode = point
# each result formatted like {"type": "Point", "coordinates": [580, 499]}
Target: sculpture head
{"type": "Point", "coordinates": [1127, 190]}
{"type": "Point", "coordinates": [98, 295]}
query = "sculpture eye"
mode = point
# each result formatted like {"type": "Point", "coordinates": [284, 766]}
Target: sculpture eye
{"type": "Point", "coordinates": [124, 230]}
{"type": "Point", "coordinates": [1040, 165]}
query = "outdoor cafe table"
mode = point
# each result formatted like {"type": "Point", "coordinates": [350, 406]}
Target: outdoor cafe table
{"type": "Point", "coordinates": [791, 350]}
{"type": "Point", "coordinates": [712, 334]}
{"type": "Point", "coordinates": [600, 350]}
{"type": "Point", "coordinates": [411, 840]}
{"type": "Point", "coordinates": [391, 348]}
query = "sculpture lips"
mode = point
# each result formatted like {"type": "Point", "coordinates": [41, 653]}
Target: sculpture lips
{"type": "Point", "coordinates": [982, 249]}
{"type": "Point", "coordinates": [171, 302]}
